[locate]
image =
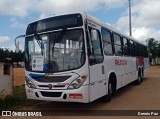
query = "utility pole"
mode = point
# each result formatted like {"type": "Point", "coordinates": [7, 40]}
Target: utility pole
{"type": "Point", "coordinates": [130, 24]}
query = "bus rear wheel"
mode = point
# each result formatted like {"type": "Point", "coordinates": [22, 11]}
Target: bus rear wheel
{"type": "Point", "coordinates": [142, 75]}
{"type": "Point", "coordinates": [139, 80]}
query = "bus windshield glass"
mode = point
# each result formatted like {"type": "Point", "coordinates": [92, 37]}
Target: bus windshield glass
{"type": "Point", "coordinates": [62, 50]}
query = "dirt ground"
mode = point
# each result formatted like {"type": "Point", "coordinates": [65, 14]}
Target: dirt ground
{"type": "Point", "coordinates": [18, 76]}
{"type": "Point", "coordinates": [145, 96]}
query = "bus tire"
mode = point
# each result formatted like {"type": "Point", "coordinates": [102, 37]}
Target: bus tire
{"type": "Point", "coordinates": [139, 80]}
{"type": "Point", "coordinates": [107, 98]}
{"type": "Point", "coordinates": [142, 75]}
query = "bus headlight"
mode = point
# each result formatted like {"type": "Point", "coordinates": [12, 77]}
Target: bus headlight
{"type": "Point", "coordinates": [78, 82]}
{"type": "Point", "coordinates": [29, 83]}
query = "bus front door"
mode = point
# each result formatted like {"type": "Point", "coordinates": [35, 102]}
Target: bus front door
{"type": "Point", "coordinates": [97, 85]}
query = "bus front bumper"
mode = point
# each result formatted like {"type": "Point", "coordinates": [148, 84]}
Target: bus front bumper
{"type": "Point", "coordinates": [69, 95]}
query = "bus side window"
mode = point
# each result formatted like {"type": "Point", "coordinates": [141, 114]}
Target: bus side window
{"type": "Point", "coordinates": [131, 48]}
{"type": "Point", "coordinates": [136, 49]}
{"type": "Point", "coordinates": [139, 50]}
{"type": "Point", "coordinates": [146, 52]}
{"type": "Point", "coordinates": [117, 44]}
{"type": "Point", "coordinates": [96, 56]}
{"type": "Point", "coordinates": [125, 47]}
{"type": "Point", "coordinates": [107, 43]}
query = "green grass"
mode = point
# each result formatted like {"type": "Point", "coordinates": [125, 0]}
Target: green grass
{"type": "Point", "coordinates": [18, 100]}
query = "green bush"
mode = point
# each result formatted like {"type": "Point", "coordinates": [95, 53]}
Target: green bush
{"type": "Point", "coordinates": [18, 100]}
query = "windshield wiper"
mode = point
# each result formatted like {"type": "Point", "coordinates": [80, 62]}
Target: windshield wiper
{"type": "Point", "coordinates": [38, 39]}
{"type": "Point", "coordinates": [58, 38]}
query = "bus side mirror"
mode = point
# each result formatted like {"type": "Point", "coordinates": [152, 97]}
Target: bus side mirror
{"type": "Point", "coordinates": [92, 59]}
{"type": "Point", "coordinates": [94, 35]}
{"type": "Point", "coordinates": [17, 43]}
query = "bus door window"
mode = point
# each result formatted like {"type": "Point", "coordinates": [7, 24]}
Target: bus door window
{"type": "Point", "coordinates": [96, 54]}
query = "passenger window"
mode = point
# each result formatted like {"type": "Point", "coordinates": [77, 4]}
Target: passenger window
{"type": "Point", "coordinates": [136, 50]}
{"type": "Point", "coordinates": [107, 43]}
{"type": "Point", "coordinates": [118, 50]}
{"type": "Point", "coordinates": [132, 48]}
{"type": "Point", "coordinates": [117, 44]}
{"type": "Point", "coordinates": [125, 47]}
{"type": "Point", "coordinates": [141, 50]}
{"type": "Point", "coordinates": [117, 39]}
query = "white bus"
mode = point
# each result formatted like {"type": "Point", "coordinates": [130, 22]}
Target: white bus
{"type": "Point", "coordinates": [78, 58]}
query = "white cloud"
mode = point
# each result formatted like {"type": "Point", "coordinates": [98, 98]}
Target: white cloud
{"type": "Point", "coordinates": [62, 6]}
{"type": "Point", "coordinates": [15, 7]}
{"type": "Point", "coordinates": [11, 47]}
{"type": "Point", "coordinates": [42, 16]}
{"type": "Point", "coordinates": [4, 39]}
{"type": "Point", "coordinates": [51, 7]}
{"type": "Point", "coordinates": [22, 8]}
{"type": "Point", "coordinates": [143, 33]}
{"type": "Point", "coordinates": [16, 24]}
{"type": "Point", "coordinates": [145, 13]}
{"type": "Point", "coordinates": [123, 23]}
{"type": "Point", "coordinates": [115, 3]}
{"type": "Point", "coordinates": [145, 19]}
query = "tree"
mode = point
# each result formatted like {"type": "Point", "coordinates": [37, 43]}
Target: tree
{"type": "Point", "coordinates": [153, 48]}
{"type": "Point", "coordinates": [4, 53]}
{"type": "Point", "coordinates": [16, 57]}
{"type": "Point", "coordinates": [159, 49]}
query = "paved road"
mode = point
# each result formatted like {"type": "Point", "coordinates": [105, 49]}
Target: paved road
{"type": "Point", "coordinates": [142, 97]}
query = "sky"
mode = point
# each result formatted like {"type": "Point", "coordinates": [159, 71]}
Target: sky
{"type": "Point", "coordinates": [15, 15]}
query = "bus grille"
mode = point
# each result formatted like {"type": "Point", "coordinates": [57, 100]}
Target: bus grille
{"type": "Point", "coordinates": [51, 94]}
{"type": "Point", "coordinates": [55, 86]}
{"type": "Point", "coordinates": [52, 79]}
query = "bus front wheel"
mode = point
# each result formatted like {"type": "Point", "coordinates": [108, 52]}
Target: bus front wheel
{"type": "Point", "coordinates": [107, 98]}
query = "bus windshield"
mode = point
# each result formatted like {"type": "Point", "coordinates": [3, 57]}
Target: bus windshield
{"type": "Point", "coordinates": [62, 50]}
